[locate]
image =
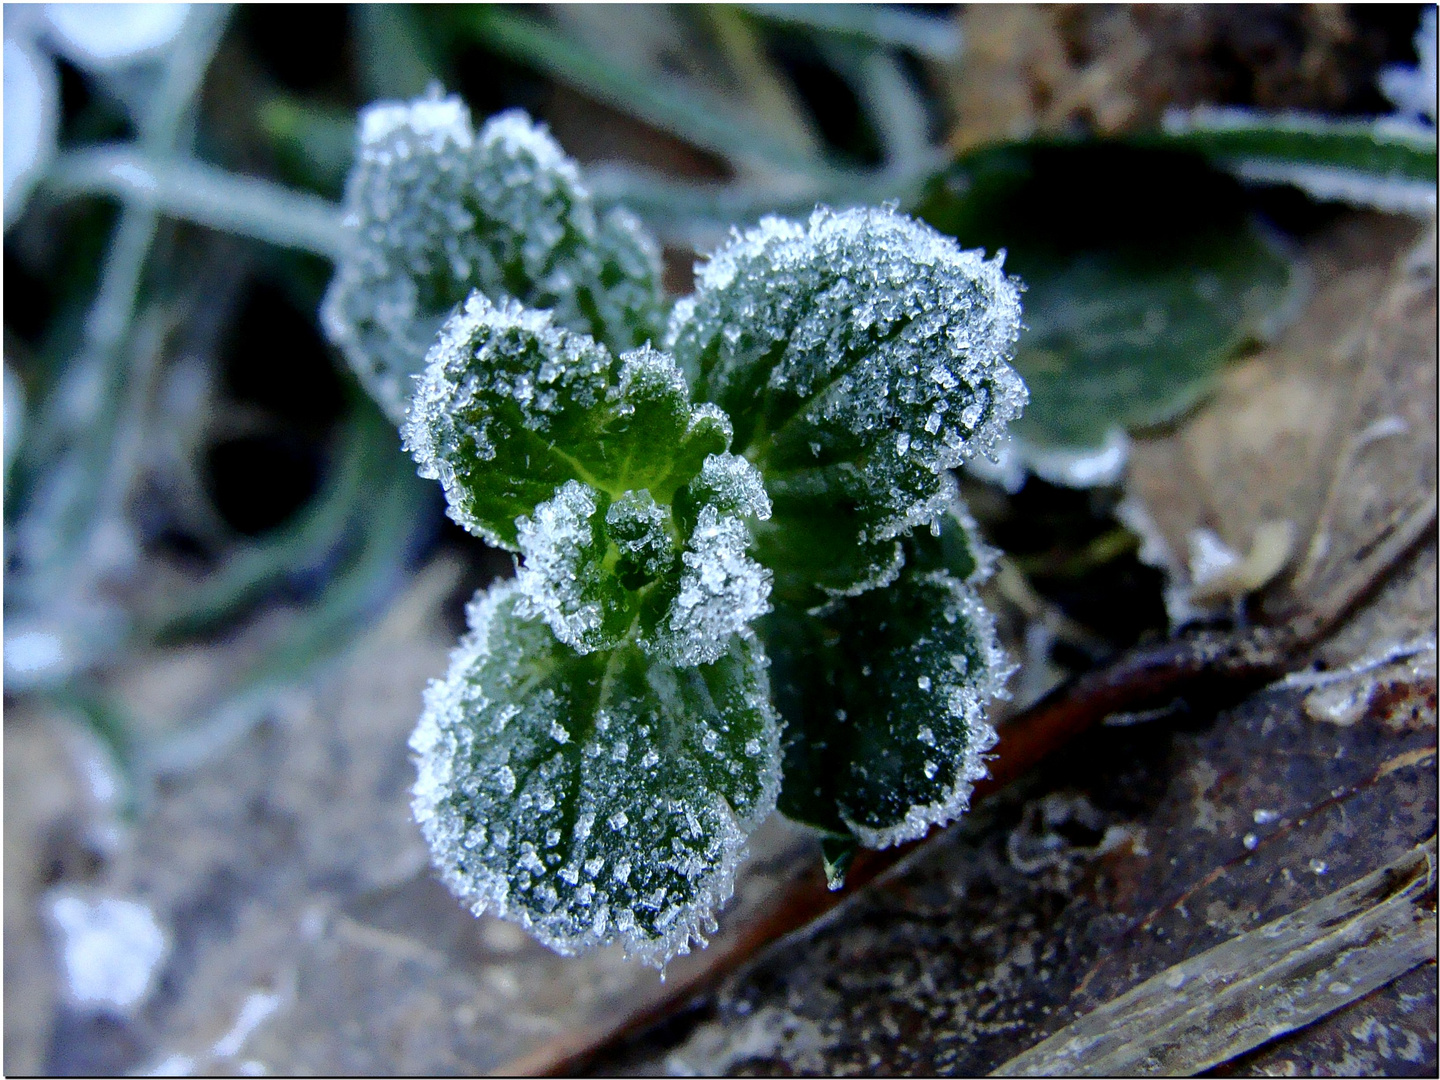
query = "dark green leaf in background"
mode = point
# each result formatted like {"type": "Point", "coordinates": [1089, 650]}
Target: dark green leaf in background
{"type": "Point", "coordinates": [1144, 272]}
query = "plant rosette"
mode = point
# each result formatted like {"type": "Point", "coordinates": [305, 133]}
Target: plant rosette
{"type": "Point", "coordinates": [746, 578]}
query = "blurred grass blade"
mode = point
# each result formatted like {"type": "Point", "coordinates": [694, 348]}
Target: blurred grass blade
{"type": "Point", "coordinates": [666, 104]}
{"type": "Point", "coordinates": [393, 500]}
{"type": "Point", "coordinates": [315, 144]}
{"type": "Point", "coordinates": [896, 110]}
{"type": "Point", "coordinates": [395, 59]}
{"type": "Point", "coordinates": [1398, 150]}
{"type": "Point", "coordinates": [702, 214]}
{"type": "Point", "coordinates": [204, 194]}
{"type": "Point", "coordinates": [1255, 987]}
{"type": "Point", "coordinates": [301, 545]}
{"type": "Point", "coordinates": [771, 97]}
{"type": "Point", "coordinates": [873, 24]}
{"type": "Point", "coordinates": [113, 729]}
{"type": "Point", "coordinates": [1389, 164]}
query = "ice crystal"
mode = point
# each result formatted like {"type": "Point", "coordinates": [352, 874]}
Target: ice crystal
{"type": "Point", "coordinates": [722, 590]}
{"type": "Point", "coordinates": [434, 211]}
{"type": "Point", "coordinates": [590, 840]}
{"type": "Point", "coordinates": [859, 356]}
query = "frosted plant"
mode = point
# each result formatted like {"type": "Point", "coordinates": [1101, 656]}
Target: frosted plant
{"type": "Point", "coordinates": [859, 356]}
{"type": "Point", "coordinates": [750, 533]}
{"type": "Point", "coordinates": [620, 493]}
{"type": "Point", "coordinates": [594, 796]}
{"type": "Point", "coordinates": [434, 211]}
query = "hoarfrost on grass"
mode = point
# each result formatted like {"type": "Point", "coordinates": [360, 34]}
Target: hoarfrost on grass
{"type": "Point", "coordinates": [1412, 89]}
{"type": "Point", "coordinates": [32, 120]}
{"type": "Point", "coordinates": [106, 37]}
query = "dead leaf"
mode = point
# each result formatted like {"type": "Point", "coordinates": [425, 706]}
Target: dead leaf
{"type": "Point", "coordinates": [1332, 427]}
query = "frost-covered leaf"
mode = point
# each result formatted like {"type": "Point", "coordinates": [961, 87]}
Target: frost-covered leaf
{"type": "Point", "coordinates": [601, 572]}
{"type": "Point", "coordinates": [631, 516]}
{"type": "Point", "coordinates": [435, 210]}
{"type": "Point", "coordinates": [884, 697]}
{"type": "Point", "coordinates": [859, 355]}
{"type": "Point", "coordinates": [595, 798]}
{"type": "Point", "coordinates": [1143, 274]}
{"type": "Point", "coordinates": [884, 703]}
{"type": "Point", "coordinates": [512, 406]}
{"type": "Point", "coordinates": [951, 543]}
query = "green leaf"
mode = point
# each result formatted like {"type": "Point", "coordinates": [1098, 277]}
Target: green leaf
{"type": "Point", "coordinates": [1143, 274]}
{"type": "Point", "coordinates": [631, 516]}
{"type": "Point", "coordinates": [513, 406]}
{"type": "Point", "coordinates": [847, 683]}
{"type": "Point", "coordinates": [875, 25]}
{"type": "Point", "coordinates": [884, 701]}
{"type": "Point", "coordinates": [435, 211]}
{"type": "Point", "coordinates": [860, 355]}
{"type": "Point", "coordinates": [596, 798]}
{"type": "Point", "coordinates": [952, 543]}
{"type": "Point", "coordinates": [1120, 341]}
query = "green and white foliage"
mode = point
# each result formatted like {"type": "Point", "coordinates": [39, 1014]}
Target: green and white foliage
{"type": "Point", "coordinates": [631, 515]}
{"type": "Point", "coordinates": [859, 356]}
{"type": "Point", "coordinates": [434, 211]}
{"type": "Point", "coordinates": [884, 696]}
{"type": "Point", "coordinates": [593, 798]}
{"type": "Point", "coordinates": [774, 487]}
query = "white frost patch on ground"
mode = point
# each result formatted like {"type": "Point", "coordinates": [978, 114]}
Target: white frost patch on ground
{"type": "Point", "coordinates": [258, 1008]}
{"type": "Point", "coordinates": [110, 948]}
{"type": "Point", "coordinates": [169, 1065]}
{"type": "Point", "coordinates": [1343, 697]}
{"type": "Point", "coordinates": [713, 1050]}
